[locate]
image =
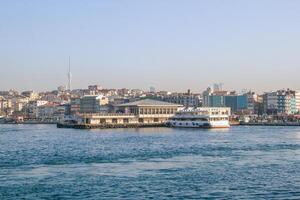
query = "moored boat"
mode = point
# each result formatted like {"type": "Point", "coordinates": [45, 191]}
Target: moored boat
{"type": "Point", "coordinates": [203, 117]}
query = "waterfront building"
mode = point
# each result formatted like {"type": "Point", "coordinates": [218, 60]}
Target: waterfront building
{"type": "Point", "coordinates": [286, 102]}
{"type": "Point", "coordinates": [31, 109]}
{"type": "Point", "coordinates": [9, 103]}
{"type": "Point", "coordinates": [297, 99]}
{"type": "Point", "coordinates": [75, 105]}
{"type": "Point", "coordinates": [18, 106]}
{"type": "Point", "coordinates": [293, 106]}
{"type": "Point", "coordinates": [142, 111]}
{"type": "Point", "coordinates": [206, 96]}
{"type": "Point", "coordinates": [270, 101]}
{"type": "Point", "coordinates": [92, 103]}
{"type": "Point", "coordinates": [213, 98]}
{"type": "Point", "coordinates": [242, 102]}
{"type": "Point", "coordinates": [3, 103]}
{"type": "Point", "coordinates": [239, 103]}
{"type": "Point", "coordinates": [280, 102]}
{"type": "Point", "coordinates": [252, 101]}
{"type": "Point", "coordinates": [149, 110]}
{"type": "Point", "coordinates": [231, 101]}
{"type": "Point", "coordinates": [216, 100]}
{"type": "Point", "coordinates": [50, 112]}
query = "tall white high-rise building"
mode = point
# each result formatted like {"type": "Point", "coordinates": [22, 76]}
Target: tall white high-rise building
{"type": "Point", "coordinates": [297, 97]}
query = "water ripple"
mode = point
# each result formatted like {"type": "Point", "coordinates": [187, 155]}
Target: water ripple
{"type": "Point", "coordinates": [42, 162]}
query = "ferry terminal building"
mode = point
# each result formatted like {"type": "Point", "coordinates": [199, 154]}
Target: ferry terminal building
{"type": "Point", "coordinates": [145, 111]}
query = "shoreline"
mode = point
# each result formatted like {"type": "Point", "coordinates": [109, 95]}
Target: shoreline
{"type": "Point", "coordinates": [270, 124]}
{"type": "Point", "coordinates": [111, 126]}
{"type": "Point", "coordinates": [34, 123]}
{"type": "Point", "coordinates": [108, 126]}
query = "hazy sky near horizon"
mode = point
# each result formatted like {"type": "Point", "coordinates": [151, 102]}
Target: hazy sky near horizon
{"type": "Point", "coordinates": [169, 44]}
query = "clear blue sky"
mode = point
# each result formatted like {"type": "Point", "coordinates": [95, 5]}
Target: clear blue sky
{"type": "Point", "coordinates": [169, 44]}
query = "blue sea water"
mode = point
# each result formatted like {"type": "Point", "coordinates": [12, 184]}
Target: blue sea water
{"type": "Point", "coordinates": [43, 162]}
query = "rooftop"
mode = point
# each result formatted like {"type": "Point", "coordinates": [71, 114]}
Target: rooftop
{"type": "Point", "coordinates": [148, 102]}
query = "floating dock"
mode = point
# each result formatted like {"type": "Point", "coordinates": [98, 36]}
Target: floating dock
{"type": "Point", "coordinates": [109, 126]}
{"type": "Point", "coordinates": [270, 123]}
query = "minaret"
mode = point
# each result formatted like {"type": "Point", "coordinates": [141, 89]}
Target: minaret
{"type": "Point", "coordinates": [69, 75]}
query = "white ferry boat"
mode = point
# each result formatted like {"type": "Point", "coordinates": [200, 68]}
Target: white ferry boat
{"type": "Point", "coordinates": [204, 117]}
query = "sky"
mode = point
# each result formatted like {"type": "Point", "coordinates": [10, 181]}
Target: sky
{"type": "Point", "coordinates": [171, 45]}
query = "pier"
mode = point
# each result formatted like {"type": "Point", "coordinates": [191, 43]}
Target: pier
{"type": "Point", "coordinates": [269, 124]}
{"type": "Point", "coordinates": [110, 126]}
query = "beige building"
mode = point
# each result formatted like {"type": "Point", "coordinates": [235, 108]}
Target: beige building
{"type": "Point", "coordinates": [143, 111]}
{"type": "Point", "coordinates": [297, 97]}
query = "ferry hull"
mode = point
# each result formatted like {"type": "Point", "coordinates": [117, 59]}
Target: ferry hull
{"type": "Point", "coordinates": [190, 124]}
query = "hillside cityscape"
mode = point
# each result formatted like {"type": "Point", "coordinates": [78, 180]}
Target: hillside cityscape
{"type": "Point", "coordinates": [55, 106]}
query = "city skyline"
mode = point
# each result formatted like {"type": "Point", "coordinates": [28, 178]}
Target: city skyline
{"type": "Point", "coordinates": [170, 45]}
